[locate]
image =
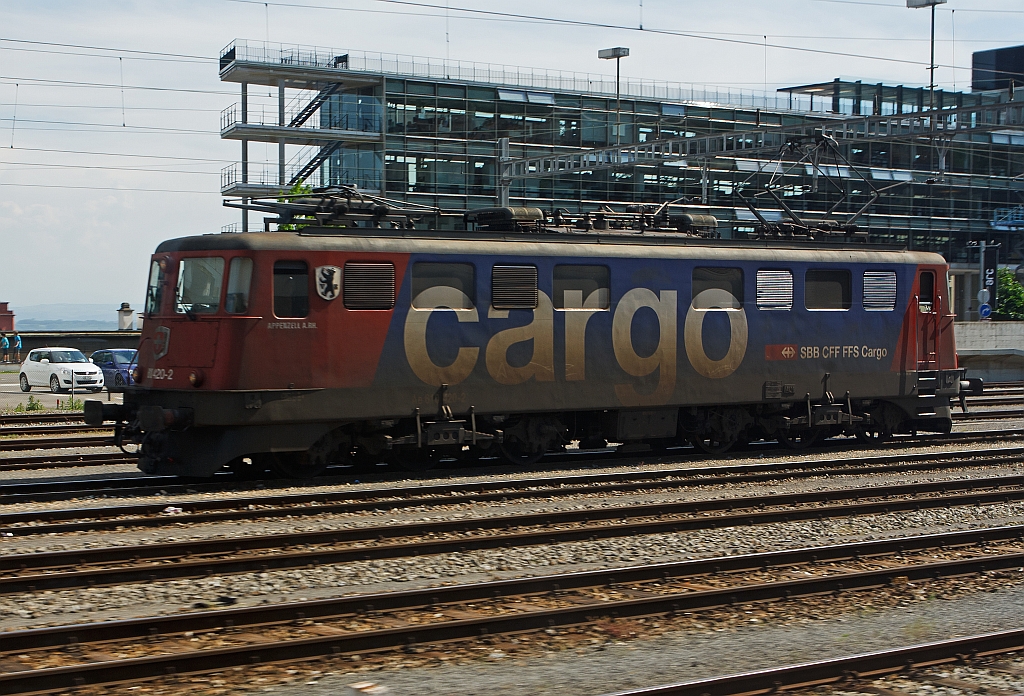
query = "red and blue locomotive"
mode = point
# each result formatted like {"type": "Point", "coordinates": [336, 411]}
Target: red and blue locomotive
{"type": "Point", "coordinates": [358, 338]}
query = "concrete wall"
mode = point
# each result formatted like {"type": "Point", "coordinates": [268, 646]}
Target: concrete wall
{"type": "Point", "coordinates": [992, 350]}
{"type": "Point", "coordinates": [85, 341]}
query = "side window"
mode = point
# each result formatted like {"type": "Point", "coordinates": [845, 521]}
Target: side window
{"type": "Point", "coordinates": [717, 288]}
{"type": "Point", "coordinates": [879, 291]}
{"type": "Point", "coordinates": [199, 283]}
{"type": "Point", "coordinates": [774, 290]}
{"type": "Point", "coordinates": [239, 279]}
{"type": "Point", "coordinates": [581, 287]}
{"type": "Point", "coordinates": [927, 289]}
{"type": "Point", "coordinates": [155, 289]}
{"type": "Point", "coordinates": [827, 289]}
{"type": "Point", "coordinates": [36, 356]}
{"type": "Point", "coordinates": [100, 357]}
{"type": "Point", "coordinates": [452, 285]}
{"type": "Point", "coordinates": [291, 289]}
{"type": "Point", "coordinates": [514, 287]}
{"type": "Point", "coordinates": [369, 286]}
{"type": "Point", "coordinates": [42, 355]}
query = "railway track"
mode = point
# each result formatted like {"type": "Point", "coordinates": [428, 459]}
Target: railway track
{"type": "Point", "coordinates": [860, 673]}
{"type": "Point", "coordinates": [21, 444]}
{"type": "Point", "coordinates": [47, 417]}
{"type": "Point", "coordinates": [267, 505]}
{"type": "Point", "coordinates": [62, 461]}
{"type": "Point", "coordinates": [170, 485]}
{"type": "Point", "coordinates": [116, 565]}
{"type": "Point", "coordinates": [39, 660]}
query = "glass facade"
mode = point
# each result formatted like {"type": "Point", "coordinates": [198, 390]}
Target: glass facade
{"type": "Point", "coordinates": [435, 140]}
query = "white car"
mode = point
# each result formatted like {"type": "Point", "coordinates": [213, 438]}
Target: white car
{"type": "Point", "coordinates": [53, 368]}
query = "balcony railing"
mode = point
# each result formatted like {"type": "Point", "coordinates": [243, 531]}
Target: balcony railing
{"type": "Point", "coordinates": [1008, 217]}
{"type": "Point", "coordinates": [364, 120]}
{"type": "Point", "coordinates": [507, 75]}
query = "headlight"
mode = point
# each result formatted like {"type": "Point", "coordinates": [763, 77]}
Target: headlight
{"type": "Point", "coordinates": [65, 371]}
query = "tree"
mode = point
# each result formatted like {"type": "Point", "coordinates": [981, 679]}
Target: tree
{"type": "Point", "coordinates": [1010, 297]}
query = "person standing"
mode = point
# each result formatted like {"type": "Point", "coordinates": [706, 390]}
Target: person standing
{"type": "Point", "coordinates": [5, 345]}
{"type": "Point", "coordinates": [17, 347]}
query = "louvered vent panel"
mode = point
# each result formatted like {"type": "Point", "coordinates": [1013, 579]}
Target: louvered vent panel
{"type": "Point", "coordinates": [369, 286]}
{"type": "Point", "coordinates": [774, 290]}
{"type": "Point", "coordinates": [880, 290]}
{"type": "Point", "coordinates": [514, 287]}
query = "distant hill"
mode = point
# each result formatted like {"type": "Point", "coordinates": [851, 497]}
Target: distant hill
{"type": "Point", "coordinates": [62, 325]}
{"type": "Point", "coordinates": [106, 313]}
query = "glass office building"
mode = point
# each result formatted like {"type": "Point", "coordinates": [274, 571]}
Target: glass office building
{"type": "Point", "coordinates": [431, 131]}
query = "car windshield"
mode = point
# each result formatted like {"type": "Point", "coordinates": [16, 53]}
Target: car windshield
{"type": "Point", "coordinates": [67, 356]}
{"type": "Point", "coordinates": [124, 357]}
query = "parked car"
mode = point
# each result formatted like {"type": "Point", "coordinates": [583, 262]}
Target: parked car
{"type": "Point", "coordinates": [117, 365]}
{"type": "Point", "coordinates": [54, 367]}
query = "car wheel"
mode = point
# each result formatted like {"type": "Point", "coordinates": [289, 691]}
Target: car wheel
{"type": "Point", "coordinates": [55, 385]}
{"type": "Point", "coordinates": [23, 381]}
{"type": "Point", "coordinates": [118, 380]}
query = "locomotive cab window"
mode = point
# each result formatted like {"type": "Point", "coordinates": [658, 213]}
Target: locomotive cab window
{"type": "Point", "coordinates": [369, 285]}
{"type": "Point", "coordinates": [774, 290]}
{"type": "Point", "coordinates": [291, 289]}
{"type": "Point", "coordinates": [717, 288]}
{"type": "Point", "coordinates": [199, 285]}
{"type": "Point", "coordinates": [828, 289]}
{"type": "Point", "coordinates": [879, 291]}
{"type": "Point", "coordinates": [514, 287]}
{"type": "Point", "coordinates": [927, 291]}
{"type": "Point", "coordinates": [451, 285]}
{"type": "Point", "coordinates": [239, 279]}
{"type": "Point", "coordinates": [581, 287]}
{"type": "Point", "coordinates": [155, 289]}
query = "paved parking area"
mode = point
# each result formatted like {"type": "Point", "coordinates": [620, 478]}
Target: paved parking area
{"type": "Point", "coordinates": [11, 394]}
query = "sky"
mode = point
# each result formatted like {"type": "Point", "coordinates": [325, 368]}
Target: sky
{"type": "Point", "coordinates": [110, 111]}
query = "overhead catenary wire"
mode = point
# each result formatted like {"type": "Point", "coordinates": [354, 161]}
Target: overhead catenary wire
{"type": "Point", "coordinates": [540, 19]}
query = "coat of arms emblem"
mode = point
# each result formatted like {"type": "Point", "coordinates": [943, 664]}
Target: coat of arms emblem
{"type": "Point", "coordinates": [161, 342]}
{"type": "Point", "coordinates": [328, 281]}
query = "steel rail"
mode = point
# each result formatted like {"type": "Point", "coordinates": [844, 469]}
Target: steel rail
{"type": "Point", "coordinates": [23, 430]}
{"type": "Point", "coordinates": [575, 614]}
{"type": "Point", "coordinates": [28, 572]}
{"type": "Point", "coordinates": [122, 629]}
{"type": "Point", "coordinates": [843, 669]}
{"type": "Point", "coordinates": [989, 415]}
{"type": "Point", "coordinates": [64, 462]}
{"type": "Point", "coordinates": [311, 504]}
{"type": "Point", "coordinates": [145, 485]}
{"type": "Point", "coordinates": [8, 418]}
{"type": "Point", "coordinates": [20, 444]}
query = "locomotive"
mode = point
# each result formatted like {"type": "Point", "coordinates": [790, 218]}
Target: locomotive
{"type": "Point", "coordinates": [363, 331]}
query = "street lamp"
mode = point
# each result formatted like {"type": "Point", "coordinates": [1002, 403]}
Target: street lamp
{"type": "Point", "coordinates": [931, 65]}
{"type": "Point", "coordinates": [617, 53]}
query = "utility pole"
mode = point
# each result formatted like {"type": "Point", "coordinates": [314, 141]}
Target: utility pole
{"type": "Point", "coordinates": [915, 4]}
{"type": "Point", "coordinates": [616, 53]}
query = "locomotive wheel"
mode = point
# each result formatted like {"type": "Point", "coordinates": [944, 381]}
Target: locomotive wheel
{"type": "Point", "coordinates": [801, 439]}
{"type": "Point", "coordinates": [517, 452]}
{"type": "Point", "coordinates": [297, 465]}
{"type": "Point", "coordinates": [250, 468]}
{"type": "Point", "coordinates": [712, 444]}
{"type": "Point", "coordinates": [415, 458]}
{"type": "Point", "coordinates": [872, 435]}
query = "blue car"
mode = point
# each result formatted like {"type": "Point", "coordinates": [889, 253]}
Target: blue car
{"type": "Point", "coordinates": [117, 366]}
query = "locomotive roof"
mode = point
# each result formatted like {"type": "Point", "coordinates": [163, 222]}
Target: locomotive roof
{"type": "Point", "coordinates": [505, 244]}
